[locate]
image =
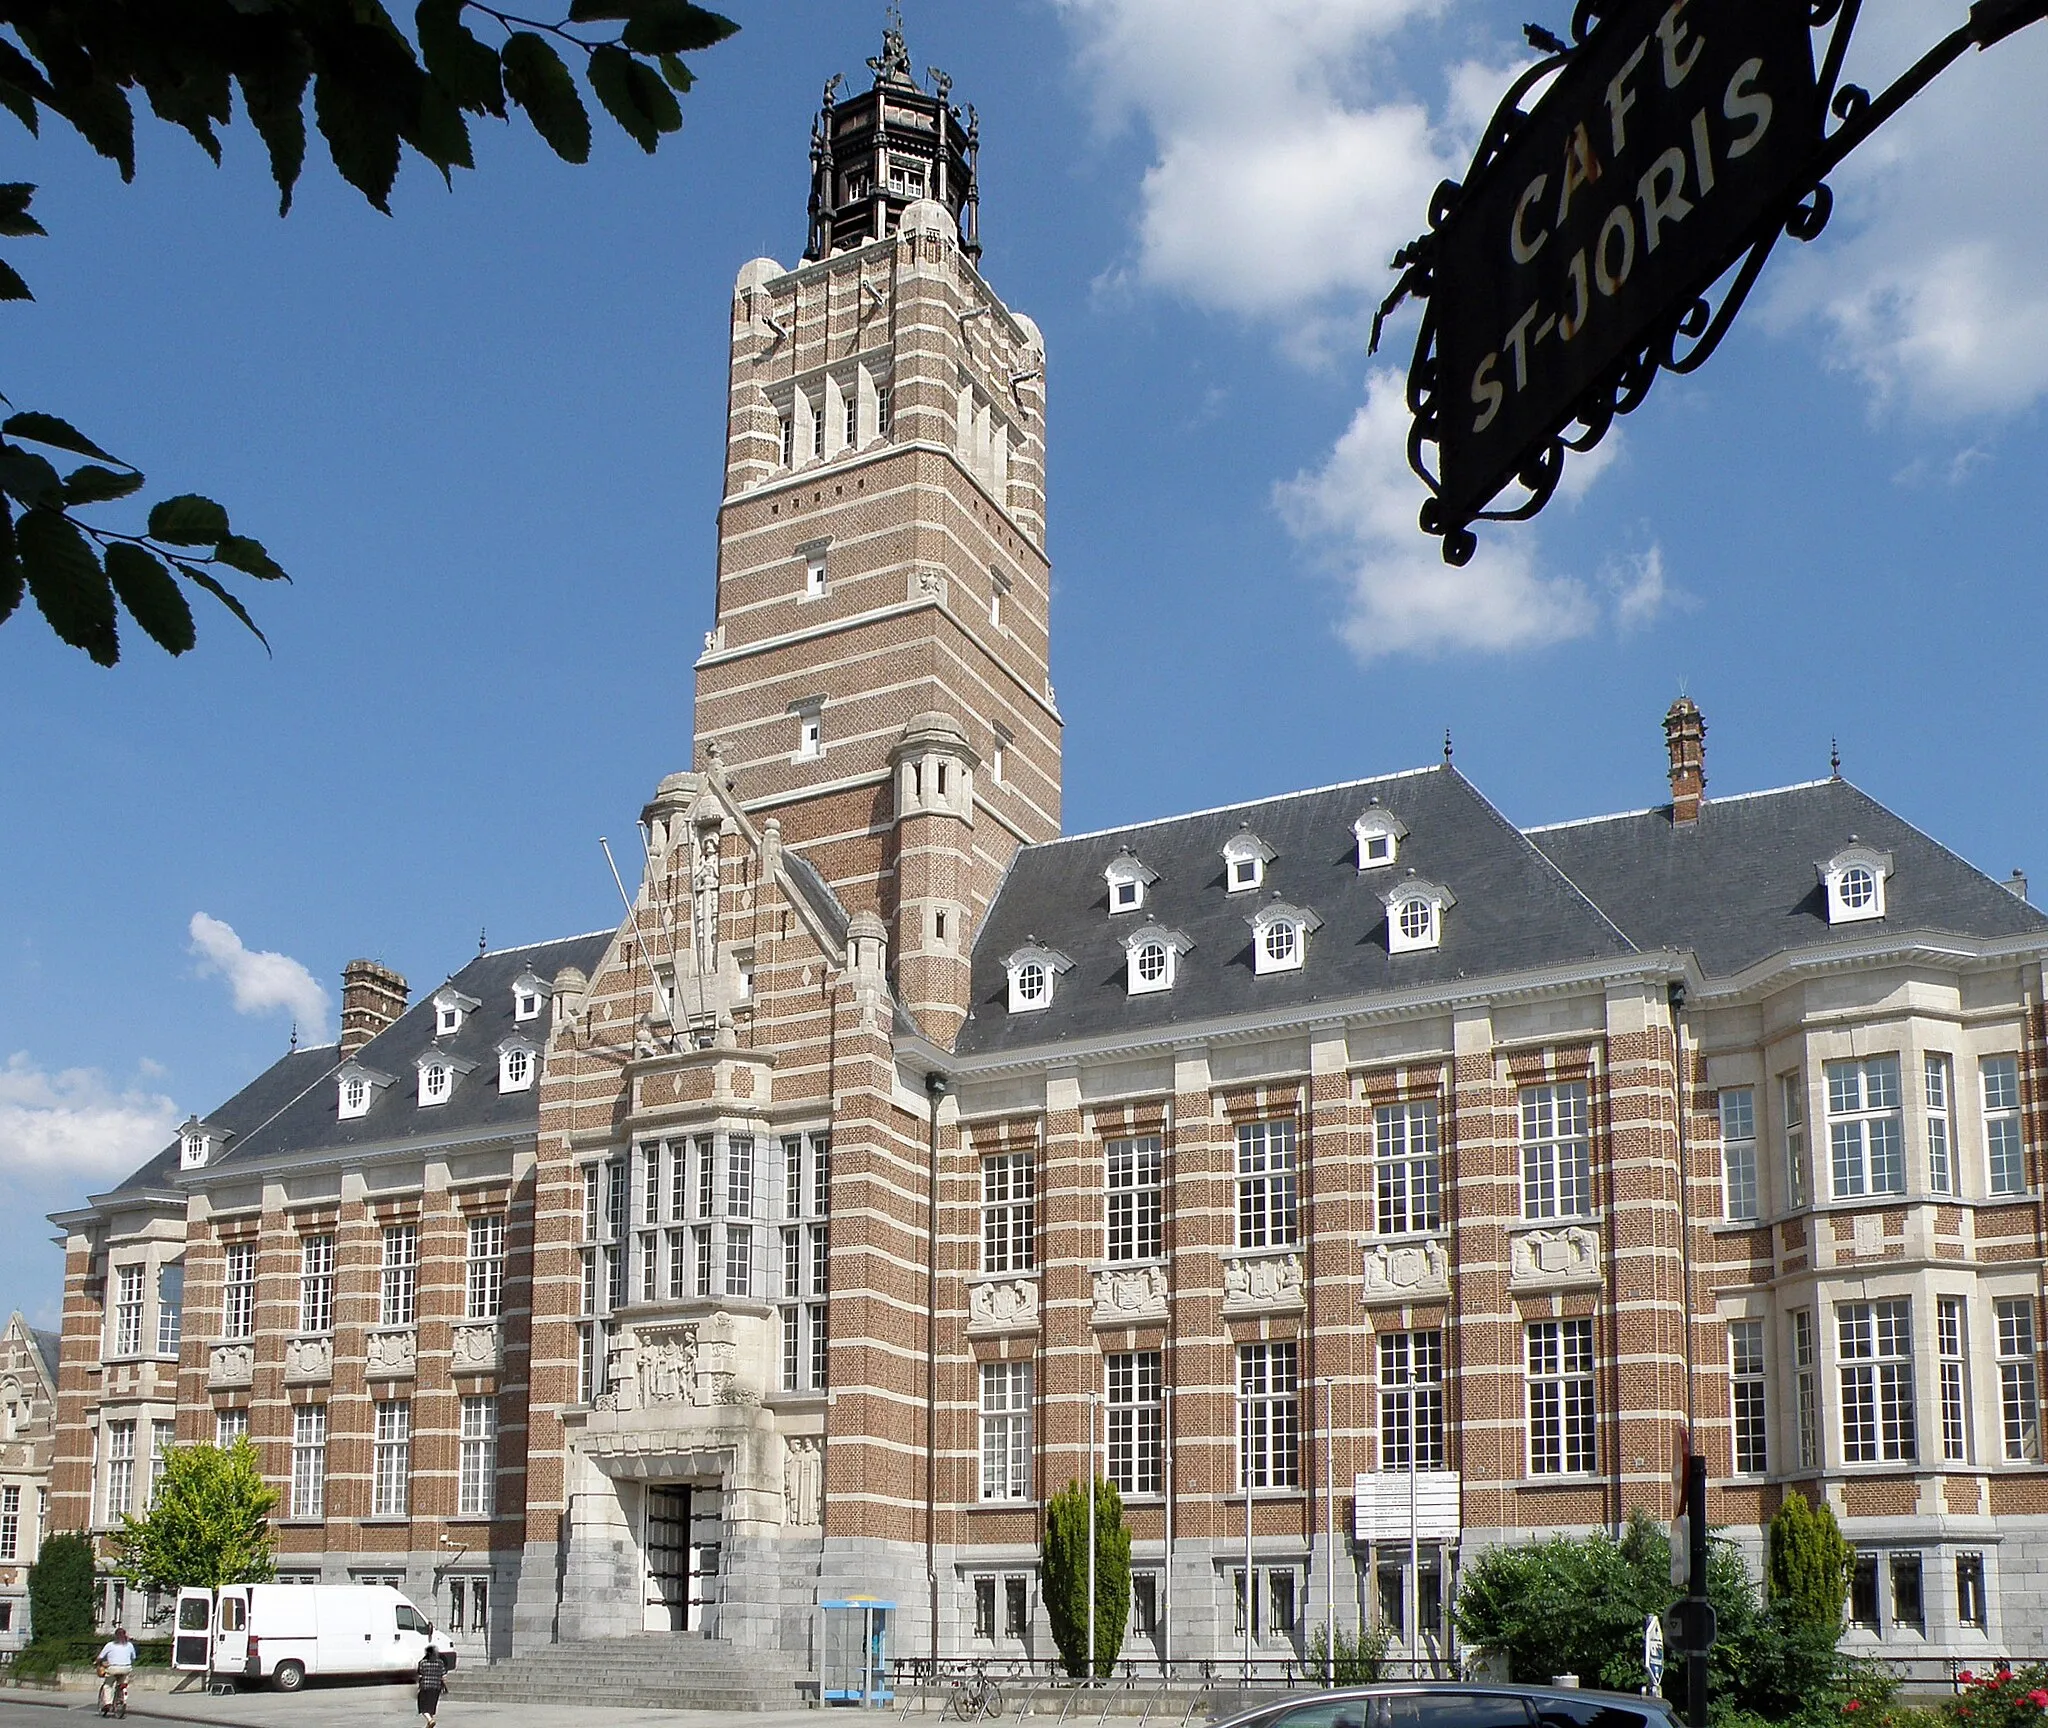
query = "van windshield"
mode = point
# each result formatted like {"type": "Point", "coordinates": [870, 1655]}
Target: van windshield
{"type": "Point", "coordinates": [410, 1618]}
{"type": "Point", "coordinates": [193, 1614]}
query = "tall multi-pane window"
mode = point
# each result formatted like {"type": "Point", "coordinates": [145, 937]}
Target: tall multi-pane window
{"type": "Point", "coordinates": [1875, 1341]}
{"type": "Point", "coordinates": [1792, 1109]}
{"type": "Point", "coordinates": [1137, 1422]}
{"type": "Point", "coordinates": [739, 1210]}
{"type": "Point", "coordinates": [1738, 1152]}
{"type": "Point", "coordinates": [120, 1470]}
{"type": "Point", "coordinates": [1133, 1209]}
{"type": "Point", "coordinates": [401, 1271]}
{"type": "Point", "coordinates": [1268, 1416]}
{"type": "Point", "coordinates": [1411, 1400]}
{"type": "Point", "coordinates": [707, 1182]}
{"type": "Point", "coordinates": [1941, 1163]}
{"type": "Point", "coordinates": [1950, 1321]}
{"type": "Point", "coordinates": [476, 1493]}
{"type": "Point", "coordinates": [804, 1282]}
{"type": "Point", "coordinates": [1009, 1212]}
{"type": "Point", "coordinates": [230, 1426]}
{"type": "Point", "coordinates": [601, 1264]}
{"type": "Point", "coordinates": [316, 1283]}
{"type": "Point", "coordinates": [483, 1268]}
{"type": "Point", "coordinates": [10, 1523]}
{"type": "Point", "coordinates": [391, 1460]}
{"type": "Point", "coordinates": [238, 1290]}
{"type": "Point", "coordinates": [617, 1189]}
{"type": "Point", "coordinates": [2004, 1151]}
{"type": "Point", "coordinates": [1557, 1177]}
{"type": "Point", "coordinates": [1747, 1394]}
{"type": "Point", "coordinates": [1406, 1167]}
{"type": "Point", "coordinates": [1266, 1216]}
{"type": "Point", "coordinates": [1805, 1390]}
{"type": "Point", "coordinates": [309, 1461]}
{"type": "Point", "coordinates": [1006, 1430]}
{"type": "Point", "coordinates": [1561, 1414]}
{"type": "Point", "coordinates": [1866, 1143]}
{"type": "Point", "coordinates": [2019, 1396]}
{"type": "Point", "coordinates": [128, 1310]}
{"type": "Point", "coordinates": [1970, 1590]}
{"type": "Point", "coordinates": [170, 1309]}
{"type": "Point", "coordinates": [161, 1435]}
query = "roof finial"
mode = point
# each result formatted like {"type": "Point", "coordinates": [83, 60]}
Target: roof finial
{"type": "Point", "coordinates": [294, 1044]}
{"type": "Point", "coordinates": [482, 946]}
{"type": "Point", "coordinates": [892, 65]}
{"type": "Point", "coordinates": [1447, 746]}
{"type": "Point", "coordinates": [1835, 758]}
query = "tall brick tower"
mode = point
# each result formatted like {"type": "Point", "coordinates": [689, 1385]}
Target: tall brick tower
{"type": "Point", "coordinates": [876, 677]}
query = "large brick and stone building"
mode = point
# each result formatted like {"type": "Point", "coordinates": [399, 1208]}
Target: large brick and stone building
{"type": "Point", "coordinates": [1347, 1161]}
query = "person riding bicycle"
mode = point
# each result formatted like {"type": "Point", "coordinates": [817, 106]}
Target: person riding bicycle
{"type": "Point", "coordinates": [115, 1662]}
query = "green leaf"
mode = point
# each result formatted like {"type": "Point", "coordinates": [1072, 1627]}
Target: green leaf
{"type": "Point", "coordinates": [154, 601]}
{"type": "Point", "coordinates": [678, 76]}
{"type": "Point", "coordinates": [70, 588]}
{"type": "Point", "coordinates": [188, 520]}
{"type": "Point", "coordinates": [440, 133]}
{"type": "Point", "coordinates": [239, 552]}
{"type": "Point", "coordinates": [457, 61]}
{"type": "Point", "coordinates": [597, 11]}
{"type": "Point", "coordinates": [674, 27]}
{"type": "Point", "coordinates": [537, 80]}
{"type": "Point", "coordinates": [12, 287]}
{"type": "Point", "coordinates": [15, 221]}
{"type": "Point", "coordinates": [22, 85]}
{"type": "Point", "coordinates": [95, 485]}
{"type": "Point", "coordinates": [361, 134]}
{"type": "Point", "coordinates": [643, 105]}
{"type": "Point", "coordinates": [57, 434]}
{"type": "Point", "coordinates": [11, 586]}
{"type": "Point", "coordinates": [99, 110]}
{"type": "Point", "coordinates": [274, 92]}
{"type": "Point", "coordinates": [193, 573]}
{"type": "Point", "coordinates": [29, 477]}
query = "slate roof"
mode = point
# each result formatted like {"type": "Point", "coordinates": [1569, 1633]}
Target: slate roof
{"type": "Point", "coordinates": [1739, 885]}
{"type": "Point", "coordinates": [49, 1345]}
{"type": "Point", "coordinates": [310, 1122]}
{"type": "Point", "coordinates": [257, 1103]}
{"type": "Point", "coordinates": [817, 893]}
{"type": "Point", "coordinates": [1514, 911]}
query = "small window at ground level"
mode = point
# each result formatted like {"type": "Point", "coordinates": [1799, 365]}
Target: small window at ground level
{"type": "Point", "coordinates": [1863, 1592]}
{"type": "Point", "coordinates": [1970, 1590]}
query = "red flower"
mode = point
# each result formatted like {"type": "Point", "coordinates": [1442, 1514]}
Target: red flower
{"type": "Point", "coordinates": [2005, 1674]}
{"type": "Point", "coordinates": [1966, 1677]}
{"type": "Point", "coordinates": [2038, 1698]}
{"type": "Point", "coordinates": [1853, 1704]}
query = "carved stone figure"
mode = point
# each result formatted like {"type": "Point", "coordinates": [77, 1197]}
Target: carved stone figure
{"type": "Point", "coordinates": [233, 1364]}
{"type": "Point", "coordinates": [803, 1483]}
{"type": "Point", "coordinates": [668, 1371]}
{"type": "Point", "coordinates": [1567, 1255]}
{"type": "Point", "coordinates": [309, 1358]}
{"type": "Point", "coordinates": [1399, 1271]}
{"type": "Point", "coordinates": [1130, 1293]}
{"type": "Point", "coordinates": [475, 1347]}
{"type": "Point", "coordinates": [390, 1352]}
{"type": "Point", "coordinates": [1269, 1280]}
{"type": "Point", "coordinates": [1003, 1304]}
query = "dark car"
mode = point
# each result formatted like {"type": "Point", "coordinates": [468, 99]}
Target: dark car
{"type": "Point", "coordinates": [1427, 1704]}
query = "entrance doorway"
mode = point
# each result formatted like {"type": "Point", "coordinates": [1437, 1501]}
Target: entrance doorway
{"type": "Point", "coordinates": [685, 1541]}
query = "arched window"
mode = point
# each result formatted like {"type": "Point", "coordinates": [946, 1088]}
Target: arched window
{"type": "Point", "coordinates": [1031, 982]}
{"type": "Point", "coordinates": [1280, 942]}
{"type": "Point", "coordinates": [1418, 919]}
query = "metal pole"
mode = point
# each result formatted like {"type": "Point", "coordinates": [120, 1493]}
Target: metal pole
{"type": "Point", "coordinates": [1166, 1571]}
{"type": "Point", "coordinates": [934, 1089]}
{"type": "Point", "coordinates": [1091, 1536]}
{"type": "Point", "coordinates": [1330, 1532]}
{"type": "Point", "coordinates": [1413, 1606]}
{"type": "Point", "coordinates": [1251, 1596]}
{"type": "Point", "coordinates": [1697, 1609]}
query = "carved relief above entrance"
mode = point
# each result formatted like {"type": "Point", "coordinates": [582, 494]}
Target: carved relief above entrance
{"type": "Point", "coordinates": [1003, 1305]}
{"type": "Point", "coordinates": [1261, 1282]}
{"type": "Point", "coordinates": [1129, 1295]}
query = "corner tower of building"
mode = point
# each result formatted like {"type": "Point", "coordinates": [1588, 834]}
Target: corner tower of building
{"type": "Point", "coordinates": [883, 590]}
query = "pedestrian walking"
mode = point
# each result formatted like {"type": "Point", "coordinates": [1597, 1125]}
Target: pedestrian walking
{"type": "Point", "coordinates": [433, 1680]}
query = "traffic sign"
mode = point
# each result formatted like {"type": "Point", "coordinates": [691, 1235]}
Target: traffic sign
{"type": "Point", "coordinates": [1653, 1651]}
{"type": "Point", "coordinates": [1691, 1625]}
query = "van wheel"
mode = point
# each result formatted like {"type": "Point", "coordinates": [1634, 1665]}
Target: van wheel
{"type": "Point", "coordinates": [290, 1676]}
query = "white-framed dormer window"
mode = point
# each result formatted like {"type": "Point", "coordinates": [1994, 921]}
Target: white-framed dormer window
{"type": "Point", "coordinates": [439, 1070]}
{"type": "Point", "coordinates": [1033, 970]}
{"type": "Point", "coordinates": [357, 1087]}
{"type": "Point", "coordinates": [451, 1008]}
{"type": "Point", "coordinates": [1415, 914]}
{"type": "Point", "coordinates": [1128, 878]}
{"type": "Point", "coordinates": [1380, 833]}
{"type": "Point", "coordinates": [1854, 880]}
{"type": "Point", "coordinates": [195, 1144]}
{"type": "Point", "coordinates": [1280, 936]}
{"type": "Point", "coordinates": [529, 991]}
{"type": "Point", "coordinates": [1245, 857]}
{"type": "Point", "coordinates": [518, 1065]}
{"type": "Point", "coordinates": [1152, 957]}
{"type": "Point", "coordinates": [810, 729]}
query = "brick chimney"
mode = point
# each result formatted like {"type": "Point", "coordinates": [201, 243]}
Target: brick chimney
{"type": "Point", "coordinates": [1685, 736]}
{"type": "Point", "coordinates": [372, 996]}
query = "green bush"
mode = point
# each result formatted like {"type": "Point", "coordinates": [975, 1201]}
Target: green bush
{"type": "Point", "coordinates": [44, 1658]}
{"type": "Point", "coordinates": [1359, 1661]}
{"type": "Point", "coordinates": [1810, 1566]}
{"type": "Point", "coordinates": [2003, 1698]}
{"type": "Point", "coordinates": [60, 1588]}
{"type": "Point", "coordinates": [1066, 1575]}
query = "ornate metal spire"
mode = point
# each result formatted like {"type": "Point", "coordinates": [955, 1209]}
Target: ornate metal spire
{"type": "Point", "coordinates": [892, 65]}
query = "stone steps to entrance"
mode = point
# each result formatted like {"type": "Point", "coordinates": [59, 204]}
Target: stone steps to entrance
{"type": "Point", "coordinates": [647, 1671]}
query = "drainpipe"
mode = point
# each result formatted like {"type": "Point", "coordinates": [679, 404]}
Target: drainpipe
{"type": "Point", "coordinates": [935, 1087]}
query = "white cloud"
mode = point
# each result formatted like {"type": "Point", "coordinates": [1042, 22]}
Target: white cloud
{"type": "Point", "coordinates": [1640, 591]}
{"type": "Point", "coordinates": [1931, 283]}
{"type": "Point", "coordinates": [76, 1122]}
{"type": "Point", "coordinates": [263, 981]}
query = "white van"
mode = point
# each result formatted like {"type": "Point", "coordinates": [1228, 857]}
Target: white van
{"type": "Point", "coordinates": [287, 1632]}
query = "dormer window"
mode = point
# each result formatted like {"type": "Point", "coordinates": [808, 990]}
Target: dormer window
{"type": "Point", "coordinates": [1415, 914]}
{"type": "Point", "coordinates": [1854, 879]}
{"type": "Point", "coordinates": [1151, 958]}
{"type": "Point", "coordinates": [529, 991]}
{"type": "Point", "coordinates": [1032, 970]}
{"type": "Point", "coordinates": [1380, 833]}
{"type": "Point", "coordinates": [195, 1144]}
{"type": "Point", "coordinates": [439, 1070]}
{"type": "Point", "coordinates": [1280, 936]}
{"type": "Point", "coordinates": [518, 1065]}
{"type": "Point", "coordinates": [1128, 879]}
{"type": "Point", "coordinates": [451, 1008]}
{"type": "Point", "coordinates": [1245, 857]}
{"type": "Point", "coordinates": [813, 554]}
{"type": "Point", "coordinates": [810, 729]}
{"type": "Point", "coordinates": [357, 1089]}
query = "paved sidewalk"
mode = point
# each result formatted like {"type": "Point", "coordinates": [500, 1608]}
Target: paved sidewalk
{"type": "Point", "coordinates": [389, 1706]}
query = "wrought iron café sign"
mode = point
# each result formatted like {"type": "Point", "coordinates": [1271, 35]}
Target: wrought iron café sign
{"type": "Point", "coordinates": [1671, 145]}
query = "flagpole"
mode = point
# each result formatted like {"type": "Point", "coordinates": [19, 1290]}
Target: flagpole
{"type": "Point", "coordinates": [1091, 1535]}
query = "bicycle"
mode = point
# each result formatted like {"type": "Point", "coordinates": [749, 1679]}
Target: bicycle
{"type": "Point", "coordinates": [975, 1697]}
{"type": "Point", "coordinates": [113, 1692]}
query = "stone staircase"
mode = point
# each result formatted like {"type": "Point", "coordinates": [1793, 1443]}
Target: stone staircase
{"type": "Point", "coordinates": [646, 1671]}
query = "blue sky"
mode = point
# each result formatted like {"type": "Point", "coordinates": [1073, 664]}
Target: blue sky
{"type": "Point", "coordinates": [484, 436]}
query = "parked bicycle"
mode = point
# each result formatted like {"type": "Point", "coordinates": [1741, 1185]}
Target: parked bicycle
{"type": "Point", "coordinates": [975, 1697]}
